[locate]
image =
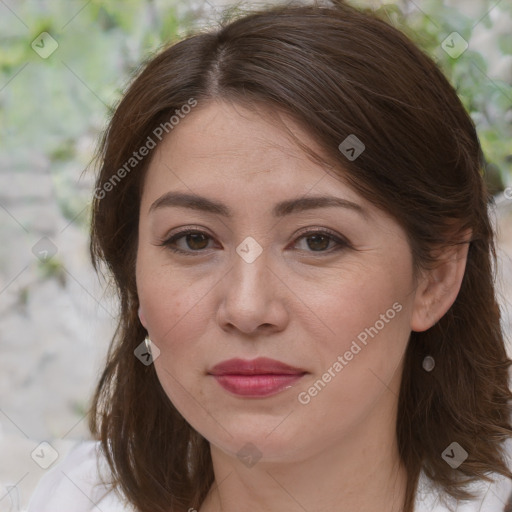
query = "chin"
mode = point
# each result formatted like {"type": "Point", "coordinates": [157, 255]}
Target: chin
{"type": "Point", "coordinates": [258, 440]}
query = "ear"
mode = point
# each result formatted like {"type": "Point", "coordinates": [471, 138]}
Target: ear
{"type": "Point", "coordinates": [438, 287]}
{"type": "Point", "coordinates": [142, 318]}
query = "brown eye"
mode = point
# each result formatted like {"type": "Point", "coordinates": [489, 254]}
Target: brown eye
{"type": "Point", "coordinates": [319, 241]}
{"type": "Point", "coordinates": [195, 241]}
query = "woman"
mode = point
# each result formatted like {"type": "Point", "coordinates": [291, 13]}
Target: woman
{"type": "Point", "coordinates": [292, 210]}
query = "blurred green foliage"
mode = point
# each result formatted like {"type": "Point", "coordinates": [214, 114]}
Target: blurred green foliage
{"type": "Point", "coordinates": [52, 109]}
{"type": "Point", "coordinates": [488, 99]}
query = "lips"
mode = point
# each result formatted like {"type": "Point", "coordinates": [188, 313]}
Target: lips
{"type": "Point", "coordinates": [260, 366]}
{"type": "Point", "coordinates": [256, 378]}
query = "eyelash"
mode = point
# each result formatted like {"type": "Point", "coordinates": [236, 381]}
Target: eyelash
{"type": "Point", "coordinates": [342, 243]}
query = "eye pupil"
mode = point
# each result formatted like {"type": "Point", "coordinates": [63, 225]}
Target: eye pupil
{"type": "Point", "coordinates": [321, 246]}
{"type": "Point", "coordinates": [194, 236]}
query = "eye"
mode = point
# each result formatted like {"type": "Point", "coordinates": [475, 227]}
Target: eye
{"type": "Point", "coordinates": [195, 241]}
{"type": "Point", "coordinates": [319, 241]}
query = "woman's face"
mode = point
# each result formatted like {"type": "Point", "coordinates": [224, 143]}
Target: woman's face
{"type": "Point", "coordinates": [323, 286]}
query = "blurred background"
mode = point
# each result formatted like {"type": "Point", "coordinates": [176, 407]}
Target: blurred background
{"type": "Point", "coordinates": [63, 67]}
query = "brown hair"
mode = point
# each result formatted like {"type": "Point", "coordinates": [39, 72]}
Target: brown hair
{"type": "Point", "coordinates": [337, 71]}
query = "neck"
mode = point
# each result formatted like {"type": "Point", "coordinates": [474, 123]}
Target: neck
{"type": "Point", "coordinates": [362, 474]}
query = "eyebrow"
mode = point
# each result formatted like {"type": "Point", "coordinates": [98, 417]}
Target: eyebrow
{"type": "Point", "coordinates": [288, 207]}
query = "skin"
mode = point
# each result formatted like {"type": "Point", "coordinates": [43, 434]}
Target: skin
{"type": "Point", "coordinates": [298, 302]}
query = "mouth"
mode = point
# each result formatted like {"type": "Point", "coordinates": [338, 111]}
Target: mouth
{"type": "Point", "coordinates": [255, 378]}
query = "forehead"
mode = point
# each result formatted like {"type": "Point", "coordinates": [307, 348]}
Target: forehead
{"type": "Point", "coordinates": [226, 148]}
{"type": "Point", "coordinates": [224, 133]}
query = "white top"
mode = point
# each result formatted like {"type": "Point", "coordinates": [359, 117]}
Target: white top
{"type": "Point", "coordinates": [74, 485]}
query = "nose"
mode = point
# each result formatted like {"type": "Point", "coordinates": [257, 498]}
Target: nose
{"type": "Point", "coordinates": [253, 298]}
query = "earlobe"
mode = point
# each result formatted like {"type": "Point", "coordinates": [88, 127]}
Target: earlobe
{"type": "Point", "coordinates": [142, 318]}
{"type": "Point", "coordinates": [438, 287]}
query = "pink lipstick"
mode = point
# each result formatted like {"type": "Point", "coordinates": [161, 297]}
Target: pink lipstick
{"type": "Point", "coordinates": [255, 378]}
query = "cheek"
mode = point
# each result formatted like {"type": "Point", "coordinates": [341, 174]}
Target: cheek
{"type": "Point", "coordinates": [173, 318]}
{"type": "Point", "coordinates": [357, 300]}
{"type": "Point", "coordinates": [361, 368]}
{"type": "Point", "coordinates": [369, 322]}
{"type": "Point", "coordinates": [178, 315]}
{"type": "Point", "coordinates": [170, 300]}
{"type": "Point", "coordinates": [176, 321]}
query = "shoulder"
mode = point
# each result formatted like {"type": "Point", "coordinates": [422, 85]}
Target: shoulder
{"type": "Point", "coordinates": [78, 483]}
{"type": "Point", "coordinates": [492, 496]}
